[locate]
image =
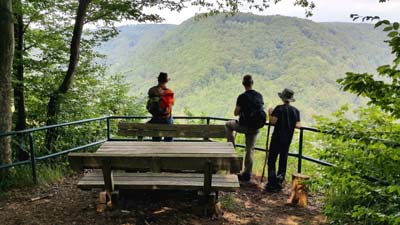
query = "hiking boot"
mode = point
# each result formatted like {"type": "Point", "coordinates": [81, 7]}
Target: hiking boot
{"type": "Point", "coordinates": [272, 188]}
{"type": "Point", "coordinates": [280, 181]}
{"type": "Point", "coordinates": [244, 177]}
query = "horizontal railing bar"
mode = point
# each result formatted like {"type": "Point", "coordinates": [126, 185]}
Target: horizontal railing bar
{"type": "Point", "coordinates": [15, 164]}
{"type": "Point", "coordinates": [267, 124]}
{"type": "Point", "coordinates": [264, 150]}
{"type": "Point", "coordinates": [219, 118]}
{"type": "Point", "coordinates": [121, 117]}
{"type": "Point", "coordinates": [52, 155]}
{"type": "Point", "coordinates": [318, 161]}
{"type": "Point", "coordinates": [52, 126]}
{"type": "Point", "coordinates": [309, 129]}
{"type": "Point", "coordinates": [293, 154]}
{"type": "Point", "coordinates": [129, 117]}
{"type": "Point", "coordinates": [71, 150]}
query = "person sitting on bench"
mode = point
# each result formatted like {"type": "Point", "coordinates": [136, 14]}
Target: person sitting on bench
{"type": "Point", "coordinates": [161, 100]}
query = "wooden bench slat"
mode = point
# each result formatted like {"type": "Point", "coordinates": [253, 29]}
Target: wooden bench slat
{"type": "Point", "coordinates": [146, 178]}
{"type": "Point", "coordinates": [177, 133]}
{"type": "Point", "coordinates": [163, 151]}
{"type": "Point", "coordinates": [149, 143]}
{"type": "Point", "coordinates": [139, 155]}
{"type": "Point", "coordinates": [155, 181]}
{"type": "Point", "coordinates": [166, 127]}
{"type": "Point", "coordinates": [171, 130]}
{"type": "Point", "coordinates": [97, 175]}
{"type": "Point", "coordinates": [165, 162]}
{"type": "Point", "coordinates": [165, 147]}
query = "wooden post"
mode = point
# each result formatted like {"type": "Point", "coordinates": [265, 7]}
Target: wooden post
{"type": "Point", "coordinates": [108, 179]}
{"type": "Point", "coordinates": [207, 178]}
{"type": "Point", "coordinates": [209, 199]}
{"type": "Point", "coordinates": [298, 194]}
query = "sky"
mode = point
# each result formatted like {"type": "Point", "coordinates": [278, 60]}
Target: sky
{"type": "Point", "coordinates": [325, 10]}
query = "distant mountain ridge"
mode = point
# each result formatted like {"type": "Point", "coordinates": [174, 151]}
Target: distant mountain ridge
{"type": "Point", "coordinates": [206, 59]}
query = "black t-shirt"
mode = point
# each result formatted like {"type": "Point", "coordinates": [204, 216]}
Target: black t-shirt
{"type": "Point", "coordinates": [287, 116]}
{"type": "Point", "coordinates": [248, 101]}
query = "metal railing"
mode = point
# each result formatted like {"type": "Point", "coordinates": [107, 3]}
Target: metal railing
{"type": "Point", "coordinates": [207, 120]}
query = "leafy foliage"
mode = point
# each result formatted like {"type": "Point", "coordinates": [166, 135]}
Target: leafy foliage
{"type": "Point", "coordinates": [384, 92]}
{"type": "Point", "coordinates": [364, 187]}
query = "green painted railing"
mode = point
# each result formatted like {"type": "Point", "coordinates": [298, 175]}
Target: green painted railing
{"type": "Point", "coordinates": [33, 158]}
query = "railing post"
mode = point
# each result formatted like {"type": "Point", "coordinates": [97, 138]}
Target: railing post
{"type": "Point", "coordinates": [300, 156]}
{"type": "Point", "coordinates": [208, 123]}
{"type": "Point", "coordinates": [108, 128]}
{"type": "Point", "coordinates": [33, 161]}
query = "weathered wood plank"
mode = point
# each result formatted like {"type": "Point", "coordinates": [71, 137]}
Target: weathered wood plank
{"type": "Point", "coordinates": [167, 162]}
{"type": "Point", "coordinates": [199, 146]}
{"type": "Point", "coordinates": [97, 175]}
{"type": "Point", "coordinates": [221, 182]}
{"type": "Point", "coordinates": [130, 125]}
{"type": "Point", "coordinates": [165, 148]}
{"type": "Point", "coordinates": [149, 143]}
{"type": "Point", "coordinates": [193, 146]}
{"type": "Point", "coordinates": [141, 155]}
{"type": "Point", "coordinates": [171, 130]}
{"type": "Point", "coordinates": [230, 178]}
{"type": "Point", "coordinates": [164, 151]}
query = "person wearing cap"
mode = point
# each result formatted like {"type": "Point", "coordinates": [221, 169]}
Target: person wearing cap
{"type": "Point", "coordinates": [246, 103]}
{"type": "Point", "coordinates": [286, 118]}
{"type": "Point", "coordinates": [165, 98]}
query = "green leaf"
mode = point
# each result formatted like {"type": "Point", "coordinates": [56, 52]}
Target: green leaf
{"type": "Point", "coordinates": [388, 28]}
{"type": "Point", "coordinates": [378, 24]}
{"type": "Point", "coordinates": [396, 25]}
{"type": "Point", "coordinates": [393, 34]}
{"type": "Point", "coordinates": [383, 69]}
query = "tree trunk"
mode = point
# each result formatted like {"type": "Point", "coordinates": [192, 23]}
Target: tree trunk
{"type": "Point", "coordinates": [19, 95]}
{"type": "Point", "coordinates": [6, 59]}
{"type": "Point", "coordinates": [53, 107]}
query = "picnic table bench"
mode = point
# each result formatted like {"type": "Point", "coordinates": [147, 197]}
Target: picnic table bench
{"type": "Point", "coordinates": [192, 165]}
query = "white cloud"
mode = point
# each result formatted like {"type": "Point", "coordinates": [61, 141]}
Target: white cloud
{"type": "Point", "coordinates": [325, 11]}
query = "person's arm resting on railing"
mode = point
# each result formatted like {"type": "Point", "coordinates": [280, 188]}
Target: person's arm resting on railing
{"type": "Point", "coordinates": [237, 111]}
{"type": "Point", "coordinates": [272, 119]}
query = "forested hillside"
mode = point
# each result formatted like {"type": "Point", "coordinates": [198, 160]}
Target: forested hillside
{"type": "Point", "coordinates": [206, 59]}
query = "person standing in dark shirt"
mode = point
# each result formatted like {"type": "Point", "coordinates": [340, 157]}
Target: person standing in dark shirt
{"type": "Point", "coordinates": [247, 103]}
{"type": "Point", "coordinates": [285, 118]}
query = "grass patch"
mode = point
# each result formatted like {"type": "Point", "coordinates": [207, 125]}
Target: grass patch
{"type": "Point", "coordinates": [228, 202]}
{"type": "Point", "coordinates": [21, 176]}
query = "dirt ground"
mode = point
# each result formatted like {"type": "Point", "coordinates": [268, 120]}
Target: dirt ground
{"type": "Point", "coordinates": [64, 203]}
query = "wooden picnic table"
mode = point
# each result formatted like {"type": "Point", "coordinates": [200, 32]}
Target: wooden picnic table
{"type": "Point", "coordinates": [203, 166]}
{"type": "Point", "coordinates": [159, 158]}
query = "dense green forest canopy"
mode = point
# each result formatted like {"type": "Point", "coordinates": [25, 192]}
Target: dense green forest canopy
{"type": "Point", "coordinates": [207, 57]}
